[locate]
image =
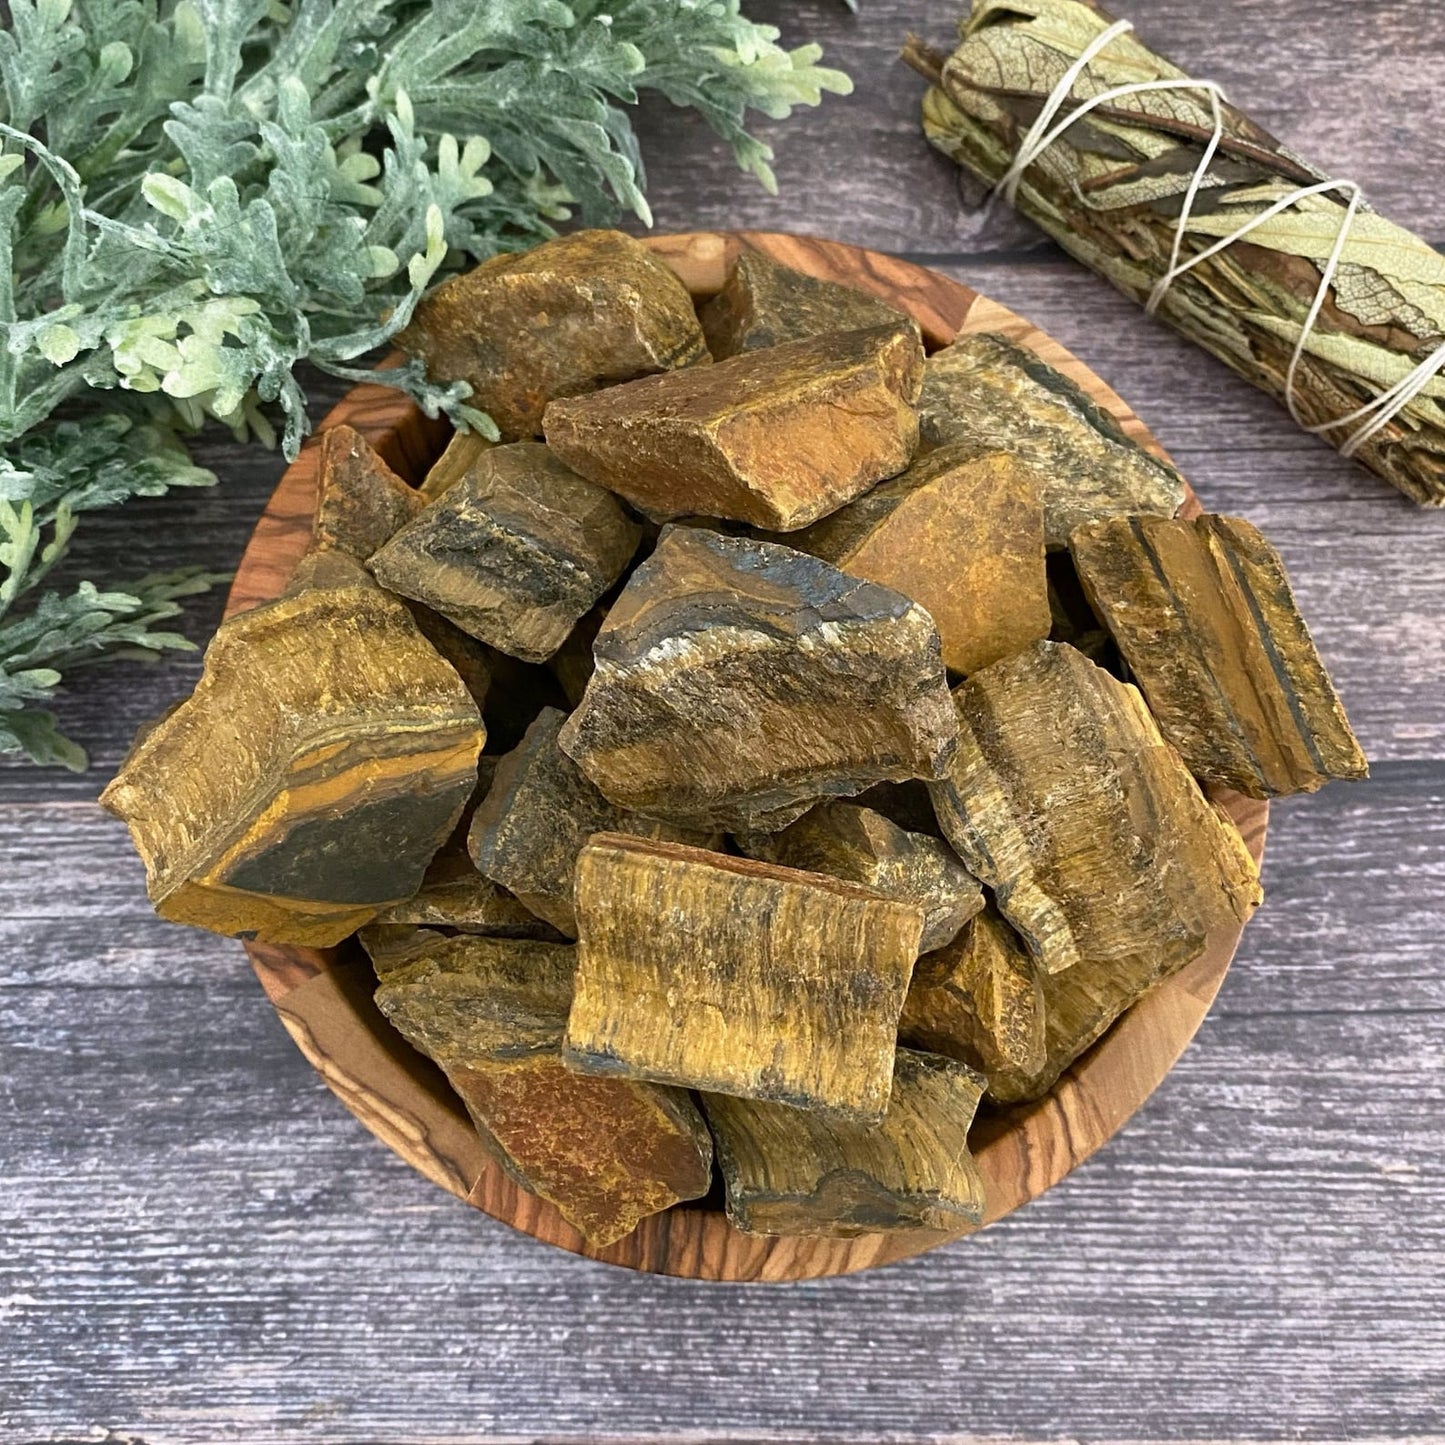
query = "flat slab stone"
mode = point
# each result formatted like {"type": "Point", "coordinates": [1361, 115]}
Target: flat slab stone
{"type": "Point", "coordinates": [776, 438]}
{"type": "Point", "coordinates": [1203, 614]}
{"type": "Point", "coordinates": [718, 973]}
{"type": "Point", "coordinates": [1065, 800]}
{"type": "Point", "coordinates": [324, 757]}
{"type": "Point", "coordinates": [738, 682]}
{"type": "Point", "coordinates": [491, 1012]}
{"type": "Point", "coordinates": [765, 304]}
{"type": "Point", "coordinates": [515, 552]}
{"type": "Point", "coordinates": [962, 533]}
{"type": "Point", "coordinates": [794, 1172]}
{"type": "Point", "coordinates": [988, 393]}
{"type": "Point", "coordinates": [613, 312]}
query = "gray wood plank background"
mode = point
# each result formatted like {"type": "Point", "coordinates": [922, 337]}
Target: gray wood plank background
{"type": "Point", "coordinates": [197, 1242]}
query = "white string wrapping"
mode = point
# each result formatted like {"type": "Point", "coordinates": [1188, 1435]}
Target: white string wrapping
{"type": "Point", "coordinates": [1045, 130]}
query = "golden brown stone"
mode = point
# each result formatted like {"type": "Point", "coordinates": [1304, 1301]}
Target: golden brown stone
{"type": "Point", "coordinates": [361, 501]}
{"type": "Point", "coordinates": [961, 533]}
{"type": "Point", "coordinates": [323, 758]}
{"type": "Point", "coordinates": [985, 392]}
{"type": "Point", "coordinates": [606, 1152]}
{"type": "Point", "coordinates": [391, 946]}
{"type": "Point", "coordinates": [1203, 614]}
{"type": "Point", "coordinates": [514, 553]}
{"type": "Point", "coordinates": [538, 814]}
{"type": "Point", "coordinates": [1064, 799]}
{"type": "Point", "coordinates": [454, 895]}
{"type": "Point", "coordinates": [846, 841]}
{"type": "Point", "coordinates": [736, 977]}
{"type": "Point", "coordinates": [792, 1171]}
{"type": "Point", "coordinates": [777, 438]}
{"type": "Point", "coordinates": [455, 462]}
{"type": "Point", "coordinates": [738, 682]}
{"type": "Point", "coordinates": [765, 304]}
{"type": "Point", "coordinates": [571, 315]}
{"type": "Point", "coordinates": [980, 1000]}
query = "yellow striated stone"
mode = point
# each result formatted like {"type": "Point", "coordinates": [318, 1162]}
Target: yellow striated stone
{"type": "Point", "coordinates": [514, 552]}
{"type": "Point", "coordinates": [323, 758]}
{"type": "Point", "coordinates": [776, 438]}
{"type": "Point", "coordinates": [1203, 614]}
{"type": "Point", "coordinates": [491, 1012]}
{"type": "Point", "coordinates": [985, 392]}
{"type": "Point", "coordinates": [794, 1172]}
{"type": "Point", "coordinates": [980, 999]}
{"type": "Point", "coordinates": [738, 682]}
{"type": "Point", "coordinates": [961, 532]}
{"type": "Point", "coordinates": [1066, 801]}
{"type": "Point", "coordinates": [735, 977]}
{"type": "Point", "coordinates": [763, 304]}
{"type": "Point", "coordinates": [574, 314]}
{"type": "Point", "coordinates": [846, 841]}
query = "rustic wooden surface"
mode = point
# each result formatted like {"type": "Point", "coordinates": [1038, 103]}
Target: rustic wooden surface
{"type": "Point", "coordinates": [200, 1244]}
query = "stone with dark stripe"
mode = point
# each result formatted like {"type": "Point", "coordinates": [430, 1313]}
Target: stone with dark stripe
{"type": "Point", "coordinates": [738, 682]}
{"type": "Point", "coordinates": [515, 552]}
{"type": "Point", "coordinates": [1203, 614]}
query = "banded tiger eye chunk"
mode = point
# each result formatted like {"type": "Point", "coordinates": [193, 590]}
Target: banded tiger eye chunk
{"type": "Point", "coordinates": [1066, 801]}
{"type": "Point", "coordinates": [738, 682]}
{"type": "Point", "coordinates": [794, 1172]}
{"type": "Point", "coordinates": [536, 817]}
{"type": "Point", "coordinates": [361, 501]}
{"type": "Point", "coordinates": [612, 312]}
{"type": "Point", "coordinates": [765, 304]}
{"type": "Point", "coordinates": [846, 841]}
{"type": "Point", "coordinates": [454, 895]}
{"type": "Point", "coordinates": [776, 438]}
{"type": "Point", "coordinates": [491, 1012]}
{"type": "Point", "coordinates": [324, 757]}
{"type": "Point", "coordinates": [980, 999]}
{"type": "Point", "coordinates": [960, 532]}
{"type": "Point", "coordinates": [514, 553]}
{"type": "Point", "coordinates": [736, 977]}
{"type": "Point", "coordinates": [987, 393]}
{"type": "Point", "coordinates": [1203, 614]}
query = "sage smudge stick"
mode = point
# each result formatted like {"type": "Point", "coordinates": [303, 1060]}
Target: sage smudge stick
{"type": "Point", "coordinates": [1313, 297]}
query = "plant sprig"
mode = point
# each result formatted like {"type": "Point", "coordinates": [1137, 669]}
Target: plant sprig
{"type": "Point", "coordinates": [197, 195]}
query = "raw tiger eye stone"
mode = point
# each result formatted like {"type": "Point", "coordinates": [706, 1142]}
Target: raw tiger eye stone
{"type": "Point", "coordinates": [538, 814]}
{"type": "Point", "coordinates": [1066, 801]}
{"type": "Point", "coordinates": [1203, 614]}
{"type": "Point", "coordinates": [986, 392]}
{"type": "Point", "coordinates": [735, 977]}
{"type": "Point", "coordinates": [454, 463]}
{"type": "Point", "coordinates": [792, 1171]}
{"type": "Point", "coordinates": [980, 999]}
{"type": "Point", "coordinates": [738, 682]}
{"type": "Point", "coordinates": [323, 758]}
{"type": "Point", "coordinates": [960, 532]}
{"type": "Point", "coordinates": [454, 895]}
{"type": "Point", "coordinates": [569, 316]}
{"type": "Point", "coordinates": [777, 438]}
{"type": "Point", "coordinates": [765, 304]}
{"type": "Point", "coordinates": [361, 501]}
{"type": "Point", "coordinates": [846, 841]}
{"type": "Point", "coordinates": [606, 1152]}
{"type": "Point", "coordinates": [514, 553]}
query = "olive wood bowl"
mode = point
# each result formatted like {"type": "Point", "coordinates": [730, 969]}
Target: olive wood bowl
{"type": "Point", "coordinates": [324, 997]}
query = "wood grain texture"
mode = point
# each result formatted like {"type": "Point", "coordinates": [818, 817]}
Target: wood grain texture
{"type": "Point", "coordinates": [1020, 1156]}
{"type": "Point", "coordinates": [193, 1227]}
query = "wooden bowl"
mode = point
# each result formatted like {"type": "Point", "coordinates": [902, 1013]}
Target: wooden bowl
{"type": "Point", "coordinates": [325, 997]}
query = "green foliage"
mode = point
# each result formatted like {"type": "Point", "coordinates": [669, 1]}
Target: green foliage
{"type": "Point", "coordinates": [225, 188]}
